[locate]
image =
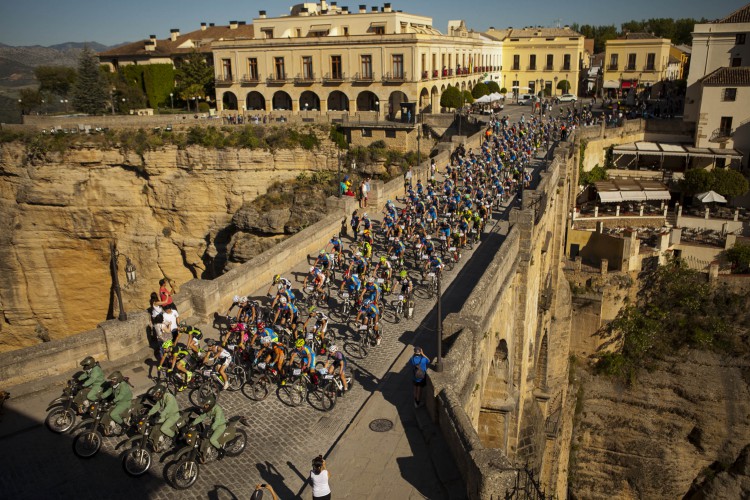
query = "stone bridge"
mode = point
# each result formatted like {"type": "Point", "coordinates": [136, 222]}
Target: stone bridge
{"type": "Point", "coordinates": [501, 400]}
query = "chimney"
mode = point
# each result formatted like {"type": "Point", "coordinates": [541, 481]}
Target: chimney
{"type": "Point", "coordinates": [344, 9]}
{"type": "Point", "coordinates": [323, 5]}
{"type": "Point", "coordinates": [211, 25]}
{"type": "Point", "coordinates": [151, 43]}
{"type": "Point", "coordinates": [174, 33]}
{"type": "Point", "coordinates": [203, 26]}
{"type": "Point", "coordinates": [232, 25]}
{"type": "Point", "coordinates": [362, 9]}
{"type": "Point", "coordinates": [567, 27]}
{"type": "Point", "coordinates": [304, 11]}
{"type": "Point", "coordinates": [492, 28]}
{"type": "Point", "coordinates": [387, 7]}
{"type": "Point", "coordinates": [262, 14]}
{"type": "Point", "coordinates": [374, 9]}
{"type": "Point", "coordinates": [242, 23]}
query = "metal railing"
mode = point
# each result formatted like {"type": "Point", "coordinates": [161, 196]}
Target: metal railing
{"type": "Point", "coordinates": [396, 77]}
{"type": "Point", "coordinates": [721, 135]}
{"type": "Point", "coordinates": [250, 79]}
{"type": "Point", "coordinates": [309, 78]}
{"type": "Point", "coordinates": [275, 78]}
{"type": "Point", "coordinates": [363, 77]}
{"type": "Point", "coordinates": [223, 79]}
{"type": "Point", "coordinates": [334, 78]}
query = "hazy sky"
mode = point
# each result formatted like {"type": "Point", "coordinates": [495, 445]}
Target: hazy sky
{"type": "Point", "coordinates": [48, 22]}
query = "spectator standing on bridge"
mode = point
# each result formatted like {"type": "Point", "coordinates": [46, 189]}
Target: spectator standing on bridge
{"type": "Point", "coordinates": [166, 290]}
{"type": "Point", "coordinates": [319, 479]}
{"type": "Point", "coordinates": [355, 224]}
{"type": "Point", "coordinates": [419, 363]}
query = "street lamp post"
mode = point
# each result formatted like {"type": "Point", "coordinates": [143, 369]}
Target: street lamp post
{"type": "Point", "coordinates": [339, 176]}
{"type": "Point", "coordinates": [20, 106]}
{"type": "Point", "coordinates": [419, 144]}
{"type": "Point", "coordinates": [377, 110]}
{"type": "Point", "coordinates": [518, 88]}
{"type": "Point", "coordinates": [130, 273]}
{"type": "Point", "coordinates": [171, 99]}
{"type": "Point", "coordinates": [439, 339]}
{"type": "Point", "coordinates": [112, 99]}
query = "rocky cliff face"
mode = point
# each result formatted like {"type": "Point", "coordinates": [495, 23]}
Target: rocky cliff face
{"type": "Point", "coordinates": [685, 421]}
{"type": "Point", "coordinates": [170, 211]}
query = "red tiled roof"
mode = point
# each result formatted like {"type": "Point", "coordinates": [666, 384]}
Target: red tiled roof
{"type": "Point", "coordinates": [728, 76]}
{"type": "Point", "coordinates": [741, 15]}
{"type": "Point", "coordinates": [201, 39]}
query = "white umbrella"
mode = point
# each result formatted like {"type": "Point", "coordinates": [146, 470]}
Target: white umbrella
{"type": "Point", "coordinates": [496, 96]}
{"type": "Point", "coordinates": [711, 197]}
{"type": "Point", "coordinates": [484, 99]}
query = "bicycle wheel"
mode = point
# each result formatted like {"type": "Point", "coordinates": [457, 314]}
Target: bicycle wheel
{"type": "Point", "coordinates": [236, 377]}
{"type": "Point", "coordinates": [320, 400]}
{"type": "Point", "coordinates": [258, 389]}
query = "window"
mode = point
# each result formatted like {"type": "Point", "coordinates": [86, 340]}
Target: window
{"type": "Point", "coordinates": [736, 62]}
{"type": "Point", "coordinates": [613, 61]}
{"type": "Point", "coordinates": [398, 66]}
{"type": "Point", "coordinates": [366, 132]}
{"type": "Point", "coordinates": [425, 71]}
{"type": "Point", "coordinates": [532, 61]}
{"type": "Point", "coordinates": [226, 65]}
{"type": "Point", "coordinates": [390, 134]}
{"type": "Point", "coordinates": [279, 64]}
{"type": "Point", "coordinates": [726, 124]}
{"type": "Point", "coordinates": [379, 30]}
{"type": "Point", "coordinates": [307, 68]}
{"type": "Point", "coordinates": [631, 62]}
{"type": "Point", "coordinates": [739, 39]}
{"type": "Point", "coordinates": [516, 62]}
{"type": "Point", "coordinates": [252, 68]}
{"type": "Point", "coordinates": [298, 32]}
{"type": "Point", "coordinates": [267, 32]}
{"type": "Point", "coordinates": [366, 66]}
{"type": "Point", "coordinates": [729, 95]}
{"type": "Point", "coordinates": [650, 61]}
{"type": "Point", "coordinates": [550, 61]}
{"type": "Point", "coordinates": [346, 30]}
{"type": "Point", "coordinates": [336, 72]}
{"type": "Point", "coordinates": [566, 62]}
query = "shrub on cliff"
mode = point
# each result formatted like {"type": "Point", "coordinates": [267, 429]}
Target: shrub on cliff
{"type": "Point", "coordinates": [676, 309]}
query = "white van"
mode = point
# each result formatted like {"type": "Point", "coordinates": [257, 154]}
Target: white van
{"type": "Point", "coordinates": [525, 98]}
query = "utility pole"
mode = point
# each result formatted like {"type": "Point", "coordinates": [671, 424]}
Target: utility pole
{"type": "Point", "coordinates": [439, 364]}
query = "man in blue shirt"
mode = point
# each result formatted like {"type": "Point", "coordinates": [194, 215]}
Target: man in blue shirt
{"type": "Point", "coordinates": [418, 364]}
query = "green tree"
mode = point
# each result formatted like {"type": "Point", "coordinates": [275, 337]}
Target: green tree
{"type": "Point", "coordinates": [468, 98]}
{"type": "Point", "coordinates": [697, 180]}
{"type": "Point", "coordinates": [195, 78]}
{"type": "Point", "coordinates": [739, 256]}
{"type": "Point", "coordinates": [158, 81]}
{"type": "Point", "coordinates": [58, 80]}
{"type": "Point", "coordinates": [563, 85]}
{"type": "Point", "coordinates": [479, 90]}
{"type": "Point", "coordinates": [493, 87]}
{"type": "Point", "coordinates": [89, 94]}
{"type": "Point", "coordinates": [451, 98]}
{"type": "Point", "coordinates": [29, 100]}
{"type": "Point", "coordinates": [728, 182]}
{"type": "Point", "coordinates": [503, 90]}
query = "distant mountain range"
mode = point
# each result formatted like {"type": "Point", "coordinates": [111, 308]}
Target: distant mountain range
{"type": "Point", "coordinates": [17, 63]}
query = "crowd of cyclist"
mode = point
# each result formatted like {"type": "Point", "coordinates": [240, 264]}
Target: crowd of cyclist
{"type": "Point", "coordinates": [411, 244]}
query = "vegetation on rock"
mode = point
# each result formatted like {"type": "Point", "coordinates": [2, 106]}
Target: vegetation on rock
{"type": "Point", "coordinates": [676, 309]}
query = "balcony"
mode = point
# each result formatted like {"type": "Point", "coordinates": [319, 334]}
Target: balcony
{"type": "Point", "coordinates": [305, 79]}
{"type": "Point", "coordinates": [721, 135]}
{"type": "Point", "coordinates": [435, 74]}
{"type": "Point", "coordinates": [224, 80]}
{"type": "Point", "coordinates": [250, 80]}
{"type": "Point", "coordinates": [334, 78]}
{"type": "Point", "coordinates": [363, 77]}
{"type": "Point", "coordinates": [395, 77]}
{"type": "Point", "coordinates": [425, 75]}
{"type": "Point", "coordinates": [277, 79]}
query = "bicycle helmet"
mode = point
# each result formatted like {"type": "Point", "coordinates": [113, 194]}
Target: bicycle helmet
{"type": "Point", "coordinates": [299, 343]}
{"type": "Point", "coordinates": [364, 214]}
{"type": "Point", "coordinates": [243, 300]}
{"type": "Point", "coordinates": [158, 391]}
{"type": "Point", "coordinates": [167, 345]}
{"type": "Point", "coordinates": [403, 273]}
{"type": "Point", "coordinates": [210, 342]}
{"type": "Point", "coordinates": [208, 403]}
{"type": "Point", "coordinates": [383, 259]}
{"type": "Point", "coordinates": [322, 252]}
{"type": "Point", "coordinates": [196, 333]}
{"type": "Point", "coordinates": [371, 280]}
{"type": "Point", "coordinates": [88, 363]}
{"type": "Point", "coordinates": [236, 299]}
{"type": "Point", "coordinates": [312, 269]}
{"type": "Point", "coordinates": [265, 341]}
{"type": "Point", "coordinates": [283, 301]}
{"type": "Point", "coordinates": [359, 254]}
{"type": "Point", "coordinates": [115, 378]}
{"type": "Point", "coordinates": [333, 349]}
{"type": "Point", "coordinates": [260, 325]}
{"type": "Point", "coordinates": [276, 278]}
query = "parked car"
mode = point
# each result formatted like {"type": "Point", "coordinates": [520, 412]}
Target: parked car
{"type": "Point", "coordinates": [525, 98]}
{"type": "Point", "coordinates": [568, 98]}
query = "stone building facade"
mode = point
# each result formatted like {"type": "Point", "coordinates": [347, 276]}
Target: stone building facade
{"type": "Point", "coordinates": [324, 59]}
{"type": "Point", "coordinates": [635, 59]}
